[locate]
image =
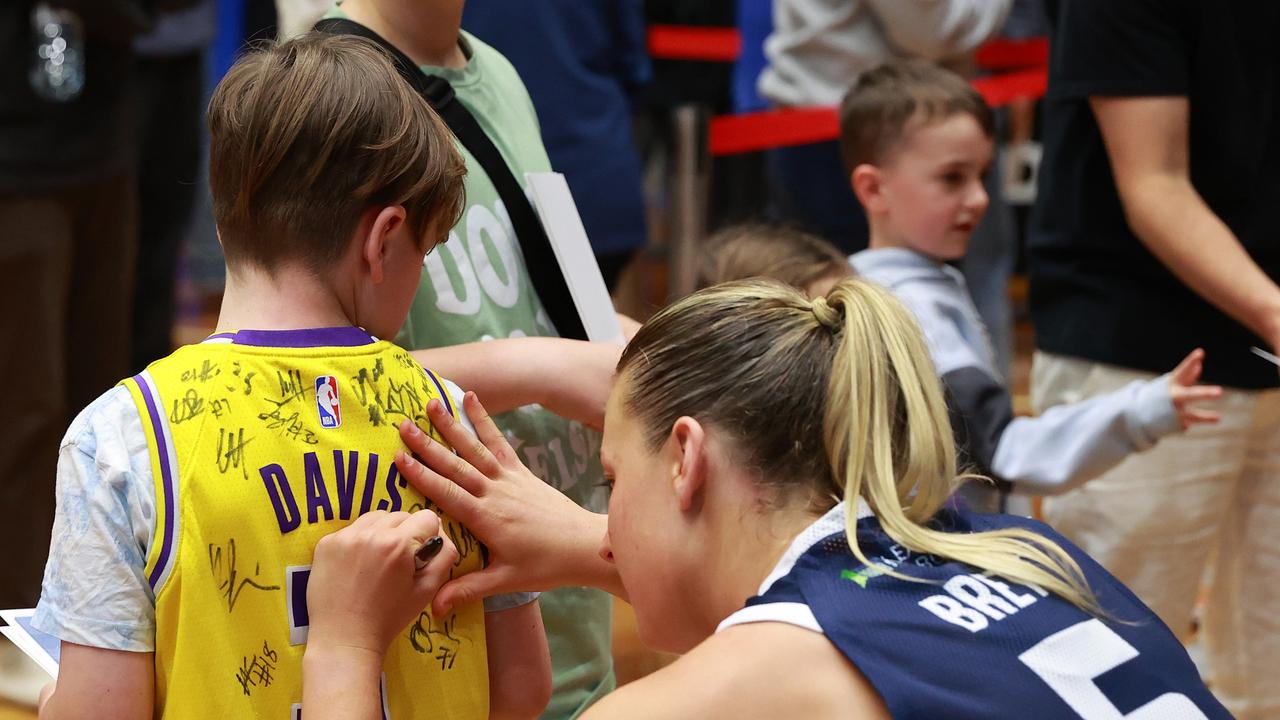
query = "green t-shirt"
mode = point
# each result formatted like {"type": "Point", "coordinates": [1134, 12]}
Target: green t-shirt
{"type": "Point", "coordinates": [476, 287]}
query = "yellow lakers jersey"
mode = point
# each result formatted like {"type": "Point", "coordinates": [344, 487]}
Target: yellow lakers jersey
{"type": "Point", "coordinates": [261, 443]}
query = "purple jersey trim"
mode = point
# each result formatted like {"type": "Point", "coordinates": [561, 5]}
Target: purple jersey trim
{"type": "Point", "coordinates": [444, 394]}
{"type": "Point", "coordinates": [166, 474]}
{"type": "Point", "coordinates": [308, 338]}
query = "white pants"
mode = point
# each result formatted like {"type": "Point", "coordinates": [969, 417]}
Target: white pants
{"type": "Point", "coordinates": [1208, 497]}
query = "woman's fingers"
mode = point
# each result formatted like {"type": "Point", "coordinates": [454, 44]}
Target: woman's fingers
{"type": "Point", "coordinates": [492, 580]}
{"type": "Point", "coordinates": [487, 430]}
{"type": "Point", "coordinates": [452, 499]}
{"type": "Point", "coordinates": [467, 445]}
{"type": "Point", "coordinates": [442, 460]}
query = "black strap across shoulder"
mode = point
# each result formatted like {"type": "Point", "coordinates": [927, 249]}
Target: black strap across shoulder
{"type": "Point", "coordinates": [539, 257]}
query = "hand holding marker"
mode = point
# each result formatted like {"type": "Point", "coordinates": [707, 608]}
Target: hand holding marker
{"type": "Point", "coordinates": [429, 549]}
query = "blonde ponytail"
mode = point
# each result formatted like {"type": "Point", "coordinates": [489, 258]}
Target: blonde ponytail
{"type": "Point", "coordinates": [827, 399]}
{"type": "Point", "coordinates": [889, 441]}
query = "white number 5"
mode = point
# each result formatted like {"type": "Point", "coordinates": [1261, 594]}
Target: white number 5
{"type": "Point", "coordinates": [1068, 661]}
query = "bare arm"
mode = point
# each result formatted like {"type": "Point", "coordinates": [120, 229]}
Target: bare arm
{"type": "Point", "coordinates": [571, 378]}
{"type": "Point", "coordinates": [342, 683]}
{"type": "Point", "coordinates": [761, 670]}
{"type": "Point", "coordinates": [98, 683]}
{"type": "Point", "coordinates": [519, 663]}
{"type": "Point", "coordinates": [1147, 143]}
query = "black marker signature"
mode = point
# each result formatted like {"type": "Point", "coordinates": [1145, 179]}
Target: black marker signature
{"type": "Point", "coordinates": [290, 426]}
{"type": "Point", "coordinates": [228, 577]}
{"type": "Point", "coordinates": [220, 407]}
{"type": "Point", "coordinates": [426, 638]}
{"type": "Point", "coordinates": [231, 446]}
{"type": "Point", "coordinates": [207, 372]}
{"type": "Point", "coordinates": [291, 387]}
{"type": "Point", "coordinates": [256, 671]}
{"type": "Point", "coordinates": [187, 407]}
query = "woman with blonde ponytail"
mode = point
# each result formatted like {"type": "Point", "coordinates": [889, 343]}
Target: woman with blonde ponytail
{"type": "Point", "coordinates": [781, 469]}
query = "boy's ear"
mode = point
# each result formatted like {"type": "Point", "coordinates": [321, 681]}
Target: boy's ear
{"type": "Point", "coordinates": [687, 448]}
{"type": "Point", "coordinates": [866, 182]}
{"type": "Point", "coordinates": [375, 241]}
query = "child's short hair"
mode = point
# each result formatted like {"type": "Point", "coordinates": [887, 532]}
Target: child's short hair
{"type": "Point", "coordinates": [877, 111]}
{"type": "Point", "coordinates": [774, 251]}
{"type": "Point", "coordinates": [308, 134]}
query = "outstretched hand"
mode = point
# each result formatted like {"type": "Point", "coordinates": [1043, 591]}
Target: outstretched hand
{"type": "Point", "coordinates": [537, 538]}
{"type": "Point", "coordinates": [1184, 391]}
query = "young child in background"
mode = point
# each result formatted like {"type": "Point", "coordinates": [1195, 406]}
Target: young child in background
{"type": "Point", "coordinates": [917, 140]}
{"type": "Point", "coordinates": [191, 496]}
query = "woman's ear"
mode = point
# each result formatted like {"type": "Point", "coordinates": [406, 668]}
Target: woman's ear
{"type": "Point", "coordinates": [375, 242]}
{"type": "Point", "coordinates": [867, 185]}
{"type": "Point", "coordinates": [688, 446]}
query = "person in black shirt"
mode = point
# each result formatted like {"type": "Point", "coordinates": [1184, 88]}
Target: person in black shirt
{"type": "Point", "coordinates": [1156, 232]}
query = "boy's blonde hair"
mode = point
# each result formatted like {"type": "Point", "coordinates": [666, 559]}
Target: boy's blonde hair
{"type": "Point", "coordinates": [307, 135]}
{"type": "Point", "coordinates": [882, 106]}
{"type": "Point", "coordinates": [749, 250]}
{"type": "Point", "coordinates": [828, 399]}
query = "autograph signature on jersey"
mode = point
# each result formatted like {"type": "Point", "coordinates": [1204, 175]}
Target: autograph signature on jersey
{"type": "Point", "coordinates": [258, 671]}
{"type": "Point", "coordinates": [231, 446]}
{"type": "Point", "coordinates": [431, 636]}
{"type": "Point", "coordinates": [223, 564]}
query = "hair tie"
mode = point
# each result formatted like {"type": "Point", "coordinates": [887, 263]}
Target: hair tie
{"type": "Point", "coordinates": [826, 315]}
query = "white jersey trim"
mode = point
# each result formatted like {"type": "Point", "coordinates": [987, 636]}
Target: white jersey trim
{"type": "Point", "coordinates": [791, 613]}
{"type": "Point", "coordinates": [168, 537]}
{"type": "Point", "coordinates": [794, 613]}
{"type": "Point", "coordinates": [829, 524]}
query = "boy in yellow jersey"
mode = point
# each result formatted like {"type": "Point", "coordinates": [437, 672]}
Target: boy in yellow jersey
{"type": "Point", "coordinates": [191, 496]}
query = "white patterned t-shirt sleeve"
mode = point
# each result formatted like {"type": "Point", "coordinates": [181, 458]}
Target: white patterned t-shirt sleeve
{"type": "Point", "coordinates": [493, 603]}
{"type": "Point", "coordinates": [95, 591]}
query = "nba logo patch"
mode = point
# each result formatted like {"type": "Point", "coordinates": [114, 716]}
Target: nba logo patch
{"type": "Point", "coordinates": [327, 401]}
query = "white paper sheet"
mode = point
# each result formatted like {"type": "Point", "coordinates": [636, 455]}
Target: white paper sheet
{"type": "Point", "coordinates": [554, 203]}
{"type": "Point", "coordinates": [44, 649]}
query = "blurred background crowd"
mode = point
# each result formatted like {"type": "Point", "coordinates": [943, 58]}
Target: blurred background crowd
{"type": "Point", "coordinates": [109, 257]}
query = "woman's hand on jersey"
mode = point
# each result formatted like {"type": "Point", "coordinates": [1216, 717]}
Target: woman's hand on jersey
{"type": "Point", "coordinates": [537, 538]}
{"type": "Point", "coordinates": [365, 587]}
{"type": "Point", "coordinates": [1184, 392]}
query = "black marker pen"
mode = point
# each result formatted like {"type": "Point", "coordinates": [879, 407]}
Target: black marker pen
{"type": "Point", "coordinates": [429, 549]}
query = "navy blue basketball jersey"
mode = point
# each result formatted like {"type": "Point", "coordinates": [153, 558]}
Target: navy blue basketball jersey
{"type": "Point", "coordinates": [962, 644]}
